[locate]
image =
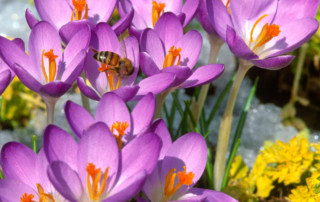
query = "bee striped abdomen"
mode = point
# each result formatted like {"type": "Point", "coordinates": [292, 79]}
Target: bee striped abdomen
{"type": "Point", "coordinates": [107, 57]}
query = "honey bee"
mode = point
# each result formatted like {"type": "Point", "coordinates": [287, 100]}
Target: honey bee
{"type": "Point", "coordinates": [122, 66]}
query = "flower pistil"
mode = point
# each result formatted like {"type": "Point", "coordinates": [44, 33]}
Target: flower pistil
{"type": "Point", "coordinates": [171, 57]}
{"type": "Point", "coordinates": [44, 197]}
{"type": "Point", "coordinates": [93, 179]}
{"type": "Point", "coordinates": [79, 7]}
{"type": "Point", "coordinates": [157, 10]}
{"type": "Point", "coordinates": [52, 65]}
{"type": "Point", "coordinates": [120, 127]}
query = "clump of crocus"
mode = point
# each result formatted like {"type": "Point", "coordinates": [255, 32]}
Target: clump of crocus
{"type": "Point", "coordinates": [25, 175]}
{"type": "Point", "coordinates": [94, 169]}
{"type": "Point", "coordinates": [104, 78]}
{"type": "Point", "coordinates": [112, 110]}
{"type": "Point", "coordinates": [46, 70]}
{"type": "Point", "coordinates": [147, 13]}
{"type": "Point", "coordinates": [180, 166]}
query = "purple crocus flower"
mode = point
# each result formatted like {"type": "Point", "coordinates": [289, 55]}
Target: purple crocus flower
{"type": "Point", "coordinates": [70, 16]}
{"type": "Point", "coordinates": [25, 175]}
{"type": "Point", "coordinates": [103, 81]}
{"type": "Point", "coordinates": [180, 166]}
{"type": "Point", "coordinates": [147, 12]}
{"type": "Point", "coordinates": [94, 169]}
{"type": "Point", "coordinates": [261, 31]}
{"type": "Point", "coordinates": [47, 70]}
{"type": "Point", "coordinates": [6, 74]}
{"type": "Point", "coordinates": [166, 49]}
{"type": "Point", "coordinates": [112, 110]}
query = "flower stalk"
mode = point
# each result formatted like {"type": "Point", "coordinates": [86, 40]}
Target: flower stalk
{"type": "Point", "coordinates": [50, 106]}
{"type": "Point", "coordinates": [225, 125]}
{"type": "Point", "coordinates": [84, 99]}
{"type": "Point", "coordinates": [160, 98]}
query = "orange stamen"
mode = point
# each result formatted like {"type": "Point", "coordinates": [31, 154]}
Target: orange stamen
{"type": "Point", "coordinates": [52, 65]}
{"type": "Point", "coordinates": [79, 7]}
{"type": "Point", "coordinates": [157, 10]}
{"type": "Point", "coordinates": [254, 26]}
{"type": "Point", "coordinates": [94, 179]}
{"type": "Point", "coordinates": [26, 198]}
{"type": "Point", "coordinates": [184, 179]}
{"type": "Point", "coordinates": [111, 76]}
{"type": "Point", "coordinates": [171, 57]}
{"type": "Point", "coordinates": [120, 127]}
{"type": "Point", "coordinates": [44, 197]}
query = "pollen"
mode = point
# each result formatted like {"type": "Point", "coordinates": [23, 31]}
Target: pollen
{"type": "Point", "coordinates": [171, 57]}
{"type": "Point", "coordinates": [43, 197]}
{"type": "Point", "coordinates": [170, 187]}
{"type": "Point", "coordinates": [52, 65]}
{"type": "Point", "coordinates": [79, 7]}
{"type": "Point", "coordinates": [157, 10]}
{"type": "Point", "coordinates": [26, 198]}
{"type": "Point", "coordinates": [120, 127]}
{"type": "Point", "coordinates": [95, 185]}
{"type": "Point", "coordinates": [111, 76]}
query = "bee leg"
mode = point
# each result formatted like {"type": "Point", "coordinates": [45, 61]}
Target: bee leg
{"type": "Point", "coordinates": [104, 67]}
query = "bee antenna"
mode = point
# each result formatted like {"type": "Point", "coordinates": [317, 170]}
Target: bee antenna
{"type": "Point", "coordinates": [94, 50]}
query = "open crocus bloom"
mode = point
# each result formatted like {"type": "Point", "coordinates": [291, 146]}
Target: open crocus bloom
{"type": "Point", "coordinates": [71, 15]}
{"type": "Point", "coordinates": [261, 31]}
{"type": "Point", "coordinates": [147, 13]}
{"type": "Point", "coordinates": [25, 175]}
{"type": "Point", "coordinates": [95, 169]}
{"type": "Point", "coordinates": [180, 166]}
{"type": "Point", "coordinates": [103, 80]}
{"type": "Point", "coordinates": [46, 69]}
{"type": "Point", "coordinates": [167, 50]}
{"type": "Point", "coordinates": [112, 110]}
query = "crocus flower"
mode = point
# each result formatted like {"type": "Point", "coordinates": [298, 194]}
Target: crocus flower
{"type": "Point", "coordinates": [69, 16]}
{"type": "Point", "coordinates": [6, 74]}
{"type": "Point", "coordinates": [104, 80]}
{"type": "Point", "coordinates": [261, 31]}
{"type": "Point", "coordinates": [112, 110]}
{"type": "Point", "coordinates": [166, 49]}
{"type": "Point", "coordinates": [180, 166]}
{"type": "Point", "coordinates": [95, 169]}
{"type": "Point", "coordinates": [47, 70]}
{"type": "Point", "coordinates": [147, 12]}
{"type": "Point", "coordinates": [25, 175]}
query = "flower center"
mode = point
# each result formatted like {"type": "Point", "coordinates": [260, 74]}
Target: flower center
{"type": "Point", "coordinates": [44, 197]}
{"type": "Point", "coordinates": [95, 184]}
{"type": "Point", "coordinates": [170, 188]}
{"type": "Point", "coordinates": [79, 7]}
{"type": "Point", "coordinates": [52, 65]}
{"type": "Point", "coordinates": [111, 76]}
{"type": "Point", "coordinates": [171, 57]}
{"type": "Point", "coordinates": [120, 127]}
{"type": "Point", "coordinates": [157, 10]}
{"type": "Point", "coordinates": [266, 34]}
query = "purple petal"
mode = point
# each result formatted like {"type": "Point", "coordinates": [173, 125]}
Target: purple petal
{"type": "Point", "coordinates": [26, 78]}
{"type": "Point", "coordinates": [74, 69]}
{"type": "Point", "coordinates": [274, 63]}
{"type": "Point", "coordinates": [189, 150]}
{"type": "Point", "coordinates": [143, 112]}
{"type": "Point", "coordinates": [65, 180]}
{"type": "Point", "coordinates": [203, 17]}
{"type": "Point", "coordinates": [41, 165]}
{"type": "Point", "coordinates": [160, 128]}
{"type": "Point", "coordinates": [181, 73]}
{"type": "Point", "coordinates": [60, 146]}
{"type": "Point", "coordinates": [12, 190]}
{"type": "Point", "coordinates": [189, 8]}
{"type": "Point", "coordinates": [190, 44]}
{"type": "Point", "coordinates": [212, 196]}
{"type": "Point", "coordinates": [98, 146]}
{"type": "Point", "coordinates": [127, 189]}
{"type": "Point", "coordinates": [173, 6]}
{"type": "Point", "coordinates": [31, 20]}
{"type": "Point", "coordinates": [86, 90]}
{"type": "Point", "coordinates": [169, 29]}
{"type": "Point", "coordinates": [140, 154]}
{"type": "Point", "coordinates": [142, 16]}
{"type": "Point", "coordinates": [18, 162]}
{"type": "Point", "coordinates": [43, 37]}
{"type": "Point", "coordinates": [181, 17]}
{"type": "Point", "coordinates": [147, 64]}
{"type": "Point", "coordinates": [5, 78]}
{"type": "Point", "coordinates": [126, 93]}
{"type": "Point", "coordinates": [155, 84]}
{"type": "Point", "coordinates": [219, 17]}
{"type": "Point", "coordinates": [106, 39]}
{"type": "Point", "coordinates": [203, 75]}
{"type": "Point", "coordinates": [123, 23]}
{"type": "Point", "coordinates": [56, 12]}
{"type": "Point", "coordinates": [152, 187]}
{"type": "Point", "coordinates": [69, 30]}
{"type": "Point", "coordinates": [100, 11]}
{"type": "Point", "coordinates": [54, 89]}
{"type": "Point", "coordinates": [238, 46]}
{"type": "Point", "coordinates": [19, 42]}
{"type": "Point", "coordinates": [152, 44]}
{"type": "Point", "coordinates": [79, 119]}
{"type": "Point", "coordinates": [111, 109]}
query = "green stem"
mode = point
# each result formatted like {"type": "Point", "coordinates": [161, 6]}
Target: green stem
{"type": "Point", "coordinates": [160, 98]}
{"type": "Point", "coordinates": [84, 99]}
{"type": "Point", "coordinates": [34, 143]}
{"type": "Point", "coordinates": [225, 125]}
{"type": "Point", "coordinates": [196, 107]}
